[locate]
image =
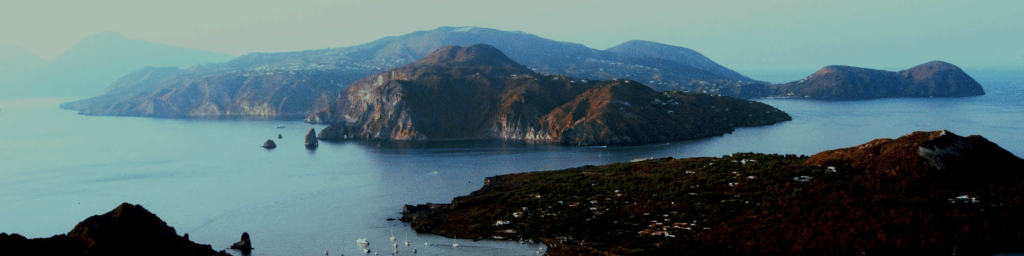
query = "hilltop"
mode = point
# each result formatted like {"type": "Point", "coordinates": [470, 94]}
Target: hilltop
{"type": "Point", "coordinates": [681, 55]}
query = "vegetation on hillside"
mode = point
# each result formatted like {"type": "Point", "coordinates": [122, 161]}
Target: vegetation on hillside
{"type": "Point", "coordinates": [740, 204]}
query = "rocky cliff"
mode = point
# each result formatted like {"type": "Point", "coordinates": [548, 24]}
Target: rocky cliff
{"type": "Point", "coordinates": [932, 79]}
{"type": "Point", "coordinates": [476, 92]}
{"type": "Point", "coordinates": [126, 230]}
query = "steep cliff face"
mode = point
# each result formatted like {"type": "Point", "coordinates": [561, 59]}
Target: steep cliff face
{"type": "Point", "coordinates": [932, 79]}
{"type": "Point", "coordinates": [476, 92]}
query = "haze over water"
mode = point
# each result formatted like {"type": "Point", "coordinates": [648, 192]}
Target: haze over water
{"type": "Point", "coordinates": [210, 178]}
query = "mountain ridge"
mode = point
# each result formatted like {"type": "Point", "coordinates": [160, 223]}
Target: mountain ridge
{"type": "Point", "coordinates": [346, 65]}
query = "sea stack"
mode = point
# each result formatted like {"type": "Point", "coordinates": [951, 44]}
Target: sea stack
{"type": "Point", "coordinates": [311, 141]}
{"type": "Point", "coordinates": [243, 245]}
{"type": "Point", "coordinates": [269, 144]}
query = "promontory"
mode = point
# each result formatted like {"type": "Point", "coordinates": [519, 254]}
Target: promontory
{"type": "Point", "coordinates": [476, 92]}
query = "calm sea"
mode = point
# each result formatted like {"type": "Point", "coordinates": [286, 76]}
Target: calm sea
{"type": "Point", "coordinates": [212, 180]}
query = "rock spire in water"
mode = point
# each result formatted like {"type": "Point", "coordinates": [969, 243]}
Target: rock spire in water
{"type": "Point", "coordinates": [311, 141]}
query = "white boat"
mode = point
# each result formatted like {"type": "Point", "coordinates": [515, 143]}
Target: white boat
{"type": "Point", "coordinates": [426, 243]}
{"type": "Point", "coordinates": [366, 250]}
{"type": "Point", "coordinates": [362, 242]}
{"type": "Point", "coordinates": [392, 235]}
{"type": "Point", "coordinates": [455, 242]}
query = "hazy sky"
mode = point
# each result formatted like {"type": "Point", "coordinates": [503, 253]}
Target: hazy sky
{"type": "Point", "coordinates": [743, 35]}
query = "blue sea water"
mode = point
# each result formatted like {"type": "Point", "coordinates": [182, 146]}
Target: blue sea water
{"type": "Point", "coordinates": [212, 180]}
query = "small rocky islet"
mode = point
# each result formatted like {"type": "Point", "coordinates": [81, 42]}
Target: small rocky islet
{"type": "Point", "coordinates": [244, 245]}
{"type": "Point", "coordinates": [269, 144]}
{"type": "Point", "coordinates": [926, 193]}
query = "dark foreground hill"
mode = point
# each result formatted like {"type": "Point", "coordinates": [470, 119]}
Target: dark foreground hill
{"type": "Point", "coordinates": [126, 230]}
{"type": "Point", "coordinates": [927, 193]}
{"type": "Point", "coordinates": [932, 79]}
{"type": "Point", "coordinates": [476, 92]}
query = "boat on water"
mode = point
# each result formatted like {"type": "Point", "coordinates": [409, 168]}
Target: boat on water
{"type": "Point", "coordinates": [392, 235]}
{"type": "Point", "coordinates": [455, 242]}
{"type": "Point", "coordinates": [363, 244]}
{"type": "Point", "coordinates": [281, 126]}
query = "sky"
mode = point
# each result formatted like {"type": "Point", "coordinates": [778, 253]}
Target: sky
{"type": "Point", "coordinates": [742, 35]}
